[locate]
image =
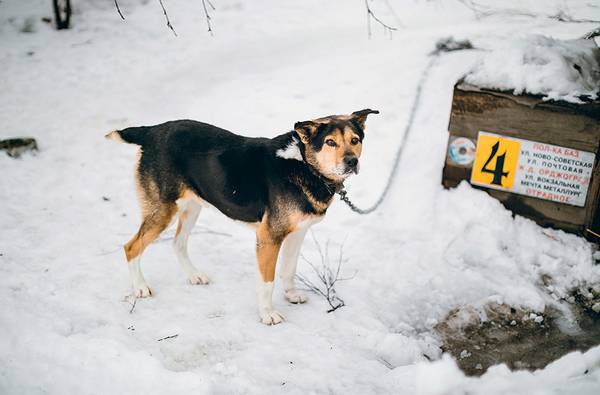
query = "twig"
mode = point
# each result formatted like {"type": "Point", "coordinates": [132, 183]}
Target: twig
{"type": "Point", "coordinates": [326, 275]}
{"type": "Point", "coordinates": [370, 14]}
{"type": "Point", "coordinates": [167, 337]}
{"type": "Point", "coordinates": [127, 299]}
{"type": "Point", "coordinates": [207, 15]}
{"type": "Point", "coordinates": [386, 363]}
{"type": "Point", "coordinates": [119, 10]}
{"type": "Point", "coordinates": [592, 232]}
{"type": "Point", "coordinates": [167, 18]}
{"type": "Point", "coordinates": [133, 305]}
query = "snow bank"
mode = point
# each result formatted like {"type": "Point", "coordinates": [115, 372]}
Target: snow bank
{"type": "Point", "coordinates": [574, 373]}
{"type": "Point", "coordinates": [556, 69]}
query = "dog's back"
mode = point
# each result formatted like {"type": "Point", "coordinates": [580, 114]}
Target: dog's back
{"type": "Point", "coordinates": [224, 169]}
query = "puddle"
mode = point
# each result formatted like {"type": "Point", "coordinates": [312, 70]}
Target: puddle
{"type": "Point", "coordinates": [520, 339]}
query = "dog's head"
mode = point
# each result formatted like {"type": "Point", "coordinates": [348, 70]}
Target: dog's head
{"type": "Point", "coordinates": [333, 144]}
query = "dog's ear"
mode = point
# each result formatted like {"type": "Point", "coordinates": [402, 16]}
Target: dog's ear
{"type": "Point", "coordinates": [306, 129]}
{"type": "Point", "coordinates": [361, 116]}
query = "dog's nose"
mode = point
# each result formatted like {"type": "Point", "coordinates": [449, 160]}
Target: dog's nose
{"type": "Point", "coordinates": [351, 161]}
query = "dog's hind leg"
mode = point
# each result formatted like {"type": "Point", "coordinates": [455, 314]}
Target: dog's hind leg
{"type": "Point", "coordinates": [290, 250]}
{"type": "Point", "coordinates": [187, 219]}
{"type": "Point", "coordinates": [156, 219]}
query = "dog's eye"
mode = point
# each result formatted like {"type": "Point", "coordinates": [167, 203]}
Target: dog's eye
{"type": "Point", "coordinates": [354, 141]}
{"type": "Point", "coordinates": [330, 143]}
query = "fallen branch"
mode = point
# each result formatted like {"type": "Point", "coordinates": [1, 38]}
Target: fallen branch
{"type": "Point", "coordinates": [167, 337]}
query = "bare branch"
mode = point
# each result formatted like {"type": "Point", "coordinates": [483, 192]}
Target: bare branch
{"type": "Point", "coordinates": [370, 15]}
{"type": "Point", "coordinates": [207, 15]}
{"type": "Point", "coordinates": [204, 5]}
{"type": "Point", "coordinates": [348, 278]}
{"type": "Point", "coordinates": [309, 285]}
{"type": "Point", "coordinates": [326, 275]}
{"type": "Point", "coordinates": [119, 10]}
{"type": "Point", "coordinates": [167, 17]}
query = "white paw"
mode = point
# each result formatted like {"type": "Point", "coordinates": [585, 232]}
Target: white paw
{"type": "Point", "coordinates": [142, 291]}
{"type": "Point", "coordinates": [271, 317]}
{"type": "Point", "coordinates": [295, 296]}
{"type": "Point", "coordinates": [199, 279]}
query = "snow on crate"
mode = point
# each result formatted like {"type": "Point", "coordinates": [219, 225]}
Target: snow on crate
{"type": "Point", "coordinates": [556, 69]}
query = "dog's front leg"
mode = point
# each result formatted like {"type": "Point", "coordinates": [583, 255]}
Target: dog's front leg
{"type": "Point", "coordinates": [267, 249]}
{"type": "Point", "coordinates": [289, 261]}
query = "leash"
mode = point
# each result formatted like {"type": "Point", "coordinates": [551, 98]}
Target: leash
{"type": "Point", "coordinates": [442, 46]}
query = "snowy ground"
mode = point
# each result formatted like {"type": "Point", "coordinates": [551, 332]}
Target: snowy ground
{"type": "Point", "coordinates": [65, 327]}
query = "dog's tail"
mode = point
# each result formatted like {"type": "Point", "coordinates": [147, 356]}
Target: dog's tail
{"type": "Point", "coordinates": [134, 135]}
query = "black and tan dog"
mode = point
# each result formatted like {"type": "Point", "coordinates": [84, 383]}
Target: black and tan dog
{"type": "Point", "coordinates": [280, 185]}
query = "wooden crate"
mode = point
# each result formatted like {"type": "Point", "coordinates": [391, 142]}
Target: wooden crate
{"type": "Point", "coordinates": [527, 117]}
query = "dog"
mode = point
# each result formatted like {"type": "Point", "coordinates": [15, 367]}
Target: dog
{"type": "Point", "coordinates": [281, 186]}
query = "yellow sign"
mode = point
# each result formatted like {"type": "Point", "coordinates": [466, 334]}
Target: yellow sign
{"type": "Point", "coordinates": [495, 164]}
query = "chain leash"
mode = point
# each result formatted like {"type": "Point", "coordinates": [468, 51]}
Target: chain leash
{"type": "Point", "coordinates": [442, 46]}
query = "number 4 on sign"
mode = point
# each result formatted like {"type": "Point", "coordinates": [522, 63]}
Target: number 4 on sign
{"type": "Point", "coordinates": [498, 171]}
{"type": "Point", "coordinates": [495, 162]}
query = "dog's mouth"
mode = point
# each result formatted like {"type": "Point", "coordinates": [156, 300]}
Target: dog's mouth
{"type": "Point", "coordinates": [344, 171]}
{"type": "Point", "coordinates": [348, 172]}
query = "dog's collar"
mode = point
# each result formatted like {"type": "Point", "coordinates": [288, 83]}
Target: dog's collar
{"type": "Point", "coordinates": [332, 186]}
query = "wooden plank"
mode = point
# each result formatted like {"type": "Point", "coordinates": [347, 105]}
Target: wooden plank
{"type": "Point", "coordinates": [524, 117]}
{"type": "Point", "coordinates": [593, 214]}
{"type": "Point", "coordinates": [529, 117]}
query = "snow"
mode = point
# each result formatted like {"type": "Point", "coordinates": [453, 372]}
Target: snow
{"type": "Point", "coordinates": [536, 64]}
{"type": "Point", "coordinates": [575, 373]}
{"type": "Point", "coordinates": [65, 318]}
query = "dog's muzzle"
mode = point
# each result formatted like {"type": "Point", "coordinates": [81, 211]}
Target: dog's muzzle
{"type": "Point", "coordinates": [351, 163]}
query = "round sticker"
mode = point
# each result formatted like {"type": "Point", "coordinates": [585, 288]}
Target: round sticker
{"type": "Point", "coordinates": [462, 151]}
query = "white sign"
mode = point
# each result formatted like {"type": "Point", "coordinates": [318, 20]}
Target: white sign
{"type": "Point", "coordinates": [530, 168]}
